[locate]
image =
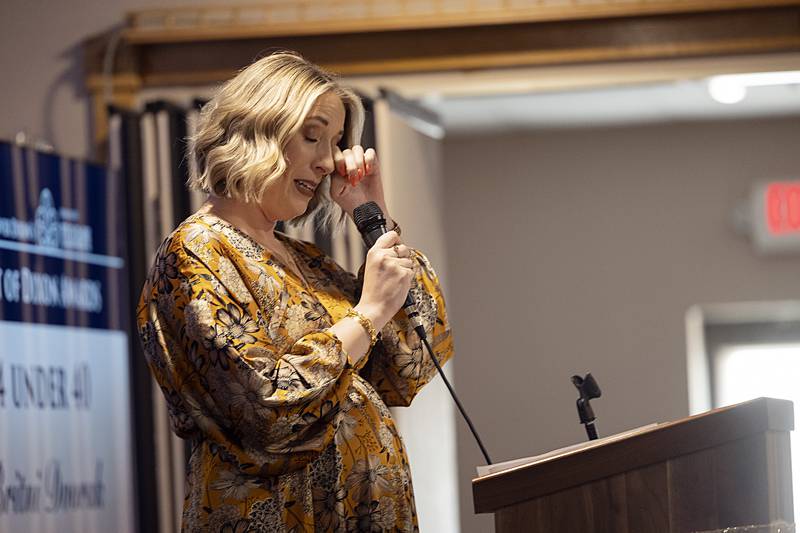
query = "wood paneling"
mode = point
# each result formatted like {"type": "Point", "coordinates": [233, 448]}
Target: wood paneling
{"type": "Point", "coordinates": [655, 445]}
{"type": "Point", "coordinates": [740, 474]}
{"type": "Point", "coordinates": [692, 492]}
{"type": "Point", "coordinates": [779, 462]}
{"type": "Point", "coordinates": [308, 17]}
{"type": "Point", "coordinates": [488, 46]}
{"type": "Point", "coordinates": [608, 503]}
{"type": "Point", "coordinates": [599, 507]}
{"type": "Point", "coordinates": [735, 476]}
{"type": "Point", "coordinates": [648, 499]}
{"type": "Point", "coordinates": [569, 33]}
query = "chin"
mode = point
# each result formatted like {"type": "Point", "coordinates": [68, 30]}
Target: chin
{"type": "Point", "coordinates": [295, 211]}
{"type": "Point", "coordinates": [311, 204]}
{"type": "Point", "coordinates": [302, 206]}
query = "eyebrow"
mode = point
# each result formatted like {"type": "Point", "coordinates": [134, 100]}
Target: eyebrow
{"type": "Point", "coordinates": [324, 121]}
{"type": "Point", "coordinates": [321, 119]}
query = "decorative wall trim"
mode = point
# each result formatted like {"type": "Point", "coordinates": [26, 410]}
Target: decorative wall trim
{"type": "Point", "coordinates": [314, 17]}
{"type": "Point", "coordinates": [180, 47]}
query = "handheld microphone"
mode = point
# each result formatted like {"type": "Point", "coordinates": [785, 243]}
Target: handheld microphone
{"type": "Point", "coordinates": [371, 223]}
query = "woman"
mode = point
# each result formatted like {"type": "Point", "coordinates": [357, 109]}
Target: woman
{"type": "Point", "coordinates": [265, 349]}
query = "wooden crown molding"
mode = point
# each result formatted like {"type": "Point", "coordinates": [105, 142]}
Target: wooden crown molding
{"type": "Point", "coordinates": [175, 58]}
{"type": "Point", "coordinates": [284, 18]}
{"type": "Point", "coordinates": [182, 47]}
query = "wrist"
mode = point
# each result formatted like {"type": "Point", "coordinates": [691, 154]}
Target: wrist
{"type": "Point", "coordinates": [366, 323]}
{"type": "Point", "coordinates": [374, 313]}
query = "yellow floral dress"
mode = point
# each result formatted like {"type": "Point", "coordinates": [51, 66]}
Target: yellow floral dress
{"type": "Point", "coordinates": [286, 435]}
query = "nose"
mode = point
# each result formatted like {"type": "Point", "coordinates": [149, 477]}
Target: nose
{"type": "Point", "coordinates": [324, 164]}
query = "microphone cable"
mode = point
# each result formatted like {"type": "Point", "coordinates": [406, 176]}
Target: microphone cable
{"type": "Point", "coordinates": [424, 339]}
{"type": "Point", "coordinates": [371, 223]}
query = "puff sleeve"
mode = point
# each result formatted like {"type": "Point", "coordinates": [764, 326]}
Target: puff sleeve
{"type": "Point", "coordinates": [236, 365]}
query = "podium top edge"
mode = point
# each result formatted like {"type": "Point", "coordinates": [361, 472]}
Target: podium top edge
{"type": "Point", "coordinates": [604, 458]}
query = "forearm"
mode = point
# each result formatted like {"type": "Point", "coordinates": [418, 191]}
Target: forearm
{"type": "Point", "coordinates": [398, 369]}
{"type": "Point", "coordinates": [354, 337]}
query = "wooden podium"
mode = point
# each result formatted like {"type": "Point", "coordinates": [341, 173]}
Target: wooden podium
{"type": "Point", "coordinates": [727, 467]}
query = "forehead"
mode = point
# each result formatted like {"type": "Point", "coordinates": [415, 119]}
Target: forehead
{"type": "Point", "coordinates": [330, 108]}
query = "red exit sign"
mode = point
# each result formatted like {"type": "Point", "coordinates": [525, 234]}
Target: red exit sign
{"type": "Point", "coordinates": [782, 207]}
{"type": "Point", "coordinates": [775, 216]}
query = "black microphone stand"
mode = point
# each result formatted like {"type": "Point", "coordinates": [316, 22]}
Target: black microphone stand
{"type": "Point", "coordinates": [588, 390]}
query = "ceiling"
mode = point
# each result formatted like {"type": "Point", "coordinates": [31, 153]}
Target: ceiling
{"type": "Point", "coordinates": [609, 106]}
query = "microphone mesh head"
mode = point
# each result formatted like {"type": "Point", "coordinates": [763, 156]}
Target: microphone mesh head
{"type": "Point", "coordinates": [367, 214]}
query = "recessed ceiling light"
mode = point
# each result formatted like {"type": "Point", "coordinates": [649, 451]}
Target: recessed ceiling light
{"type": "Point", "coordinates": [732, 88]}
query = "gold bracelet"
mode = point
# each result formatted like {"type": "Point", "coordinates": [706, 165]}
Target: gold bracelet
{"type": "Point", "coordinates": [366, 323]}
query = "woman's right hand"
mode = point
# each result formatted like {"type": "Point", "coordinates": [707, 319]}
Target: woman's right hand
{"type": "Point", "coordinates": [388, 274]}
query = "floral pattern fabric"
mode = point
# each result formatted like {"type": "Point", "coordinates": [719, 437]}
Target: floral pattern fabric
{"type": "Point", "coordinates": [286, 435]}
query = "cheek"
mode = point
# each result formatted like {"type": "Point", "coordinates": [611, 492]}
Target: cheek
{"type": "Point", "coordinates": [297, 157]}
{"type": "Point", "coordinates": [289, 156]}
{"type": "Point", "coordinates": [294, 148]}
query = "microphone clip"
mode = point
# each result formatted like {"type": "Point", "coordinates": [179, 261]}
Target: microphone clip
{"type": "Point", "coordinates": [588, 389]}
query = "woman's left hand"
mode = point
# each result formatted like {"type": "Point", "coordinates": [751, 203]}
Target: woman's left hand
{"type": "Point", "coordinates": [357, 179]}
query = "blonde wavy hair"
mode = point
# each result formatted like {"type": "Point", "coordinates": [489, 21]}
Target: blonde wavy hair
{"type": "Point", "coordinates": [242, 133]}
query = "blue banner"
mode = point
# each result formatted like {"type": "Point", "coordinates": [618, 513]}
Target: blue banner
{"type": "Point", "coordinates": [61, 255]}
{"type": "Point", "coordinates": [65, 459]}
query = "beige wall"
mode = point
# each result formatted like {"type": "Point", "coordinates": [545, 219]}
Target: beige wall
{"type": "Point", "coordinates": [411, 164]}
{"type": "Point", "coordinates": [580, 250]}
{"type": "Point", "coordinates": [42, 91]}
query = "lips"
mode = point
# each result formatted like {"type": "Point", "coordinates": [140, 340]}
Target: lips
{"type": "Point", "coordinates": [306, 187]}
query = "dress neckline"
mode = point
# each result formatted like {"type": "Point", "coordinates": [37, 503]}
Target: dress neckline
{"type": "Point", "coordinates": [288, 242]}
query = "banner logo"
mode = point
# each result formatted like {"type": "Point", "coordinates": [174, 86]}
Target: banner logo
{"type": "Point", "coordinates": [49, 229]}
{"type": "Point", "coordinates": [46, 225]}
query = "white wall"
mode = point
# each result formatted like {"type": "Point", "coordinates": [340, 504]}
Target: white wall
{"type": "Point", "coordinates": [580, 250]}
